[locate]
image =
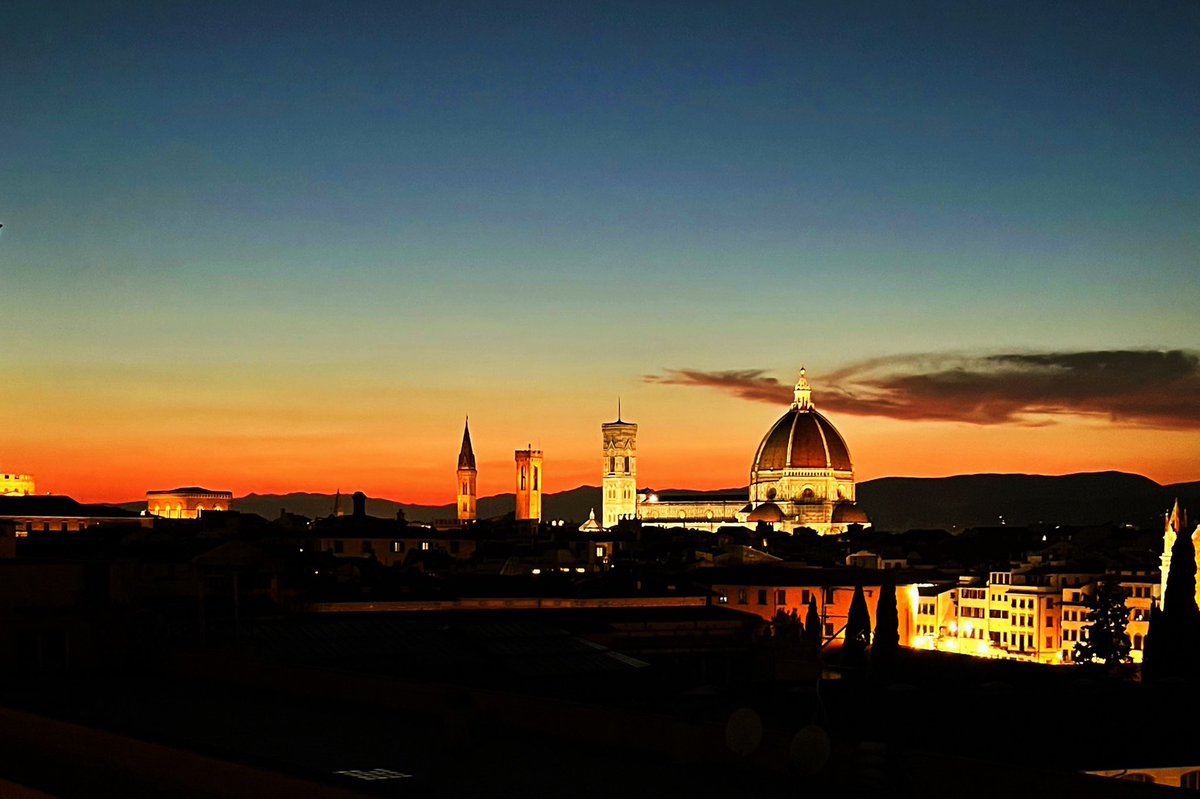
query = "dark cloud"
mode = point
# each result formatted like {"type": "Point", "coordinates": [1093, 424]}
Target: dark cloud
{"type": "Point", "coordinates": [751, 384]}
{"type": "Point", "coordinates": [1137, 388]}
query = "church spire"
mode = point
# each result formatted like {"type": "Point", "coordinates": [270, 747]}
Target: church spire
{"type": "Point", "coordinates": [803, 393]}
{"type": "Point", "coordinates": [466, 455]}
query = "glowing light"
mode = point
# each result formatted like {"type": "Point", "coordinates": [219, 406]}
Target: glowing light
{"type": "Point", "coordinates": [536, 571]}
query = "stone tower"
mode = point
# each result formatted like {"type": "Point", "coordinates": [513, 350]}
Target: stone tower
{"type": "Point", "coordinates": [529, 484]}
{"type": "Point", "coordinates": [467, 475]}
{"type": "Point", "coordinates": [619, 470]}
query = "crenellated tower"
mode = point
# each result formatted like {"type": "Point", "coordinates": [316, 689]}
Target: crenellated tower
{"type": "Point", "coordinates": [619, 470]}
{"type": "Point", "coordinates": [467, 475]}
{"type": "Point", "coordinates": [529, 484]}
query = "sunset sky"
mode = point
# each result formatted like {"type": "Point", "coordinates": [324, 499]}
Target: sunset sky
{"type": "Point", "coordinates": [288, 247]}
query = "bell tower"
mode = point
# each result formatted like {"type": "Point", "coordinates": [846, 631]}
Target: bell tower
{"type": "Point", "coordinates": [619, 470]}
{"type": "Point", "coordinates": [529, 484]}
{"type": "Point", "coordinates": [467, 475]}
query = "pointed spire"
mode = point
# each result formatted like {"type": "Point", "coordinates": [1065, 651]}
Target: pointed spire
{"type": "Point", "coordinates": [803, 393]}
{"type": "Point", "coordinates": [466, 455]}
{"type": "Point", "coordinates": [618, 407]}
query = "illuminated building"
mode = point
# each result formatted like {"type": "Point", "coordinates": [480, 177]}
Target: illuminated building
{"type": "Point", "coordinates": [801, 476]}
{"type": "Point", "coordinates": [529, 484]}
{"type": "Point", "coordinates": [16, 485]}
{"type": "Point", "coordinates": [1035, 611]}
{"type": "Point", "coordinates": [620, 471]}
{"type": "Point", "coordinates": [467, 475]}
{"type": "Point", "coordinates": [802, 467]}
{"type": "Point", "coordinates": [767, 590]}
{"type": "Point", "coordinates": [186, 503]}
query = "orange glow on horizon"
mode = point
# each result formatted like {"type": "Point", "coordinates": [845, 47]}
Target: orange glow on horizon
{"type": "Point", "coordinates": [111, 443]}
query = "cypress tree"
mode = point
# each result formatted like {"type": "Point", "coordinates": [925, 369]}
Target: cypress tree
{"type": "Point", "coordinates": [812, 622]}
{"type": "Point", "coordinates": [1179, 626]}
{"type": "Point", "coordinates": [1151, 648]}
{"type": "Point", "coordinates": [858, 624]}
{"type": "Point", "coordinates": [1179, 597]}
{"type": "Point", "coordinates": [887, 622]}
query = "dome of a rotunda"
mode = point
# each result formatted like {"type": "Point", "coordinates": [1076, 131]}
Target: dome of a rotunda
{"type": "Point", "coordinates": [802, 439]}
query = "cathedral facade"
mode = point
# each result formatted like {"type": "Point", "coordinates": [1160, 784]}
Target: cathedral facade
{"type": "Point", "coordinates": [801, 477]}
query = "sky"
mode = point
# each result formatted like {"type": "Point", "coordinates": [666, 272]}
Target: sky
{"type": "Point", "coordinates": [290, 246]}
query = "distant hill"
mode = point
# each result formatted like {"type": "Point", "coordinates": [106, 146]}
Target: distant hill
{"type": "Point", "coordinates": [893, 503]}
{"type": "Point", "coordinates": [977, 500]}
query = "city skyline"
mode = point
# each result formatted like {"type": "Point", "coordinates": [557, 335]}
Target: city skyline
{"type": "Point", "coordinates": [291, 247]}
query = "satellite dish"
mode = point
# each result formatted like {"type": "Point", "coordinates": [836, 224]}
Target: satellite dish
{"type": "Point", "coordinates": [810, 749]}
{"type": "Point", "coordinates": [743, 731]}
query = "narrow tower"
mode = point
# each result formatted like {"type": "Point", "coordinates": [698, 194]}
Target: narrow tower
{"type": "Point", "coordinates": [529, 484]}
{"type": "Point", "coordinates": [619, 470]}
{"type": "Point", "coordinates": [466, 477]}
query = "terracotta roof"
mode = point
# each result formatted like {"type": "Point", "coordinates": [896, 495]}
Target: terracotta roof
{"type": "Point", "coordinates": [767, 512]}
{"type": "Point", "coordinates": [802, 439]}
{"type": "Point", "coordinates": [849, 513]}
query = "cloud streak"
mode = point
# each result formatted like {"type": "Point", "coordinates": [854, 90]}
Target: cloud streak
{"type": "Point", "coordinates": [1133, 388]}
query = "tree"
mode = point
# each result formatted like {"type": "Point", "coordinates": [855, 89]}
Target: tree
{"type": "Point", "coordinates": [887, 623]}
{"type": "Point", "coordinates": [1177, 630]}
{"type": "Point", "coordinates": [858, 624]}
{"type": "Point", "coordinates": [1152, 648]}
{"type": "Point", "coordinates": [1179, 596]}
{"type": "Point", "coordinates": [812, 622]}
{"type": "Point", "coordinates": [1104, 637]}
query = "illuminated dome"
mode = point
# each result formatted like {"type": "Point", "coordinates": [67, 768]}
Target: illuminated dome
{"type": "Point", "coordinates": [802, 470]}
{"type": "Point", "coordinates": [802, 439]}
{"type": "Point", "coordinates": [849, 513]}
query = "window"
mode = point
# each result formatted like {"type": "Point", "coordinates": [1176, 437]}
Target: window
{"type": "Point", "coordinates": [762, 596]}
{"type": "Point", "coordinates": [804, 595]}
{"type": "Point", "coordinates": [781, 597]}
{"type": "Point", "coordinates": [626, 463]}
{"type": "Point", "coordinates": [1049, 642]}
{"type": "Point", "coordinates": [829, 595]}
{"type": "Point", "coordinates": [522, 478]}
{"type": "Point", "coordinates": [828, 629]}
{"type": "Point", "coordinates": [397, 546]}
{"type": "Point", "coordinates": [535, 478]}
{"type": "Point", "coordinates": [742, 596]}
{"type": "Point", "coordinates": [1049, 622]}
{"type": "Point", "coordinates": [1137, 642]}
{"type": "Point", "coordinates": [1190, 781]}
{"type": "Point", "coordinates": [424, 546]}
{"type": "Point", "coordinates": [337, 547]}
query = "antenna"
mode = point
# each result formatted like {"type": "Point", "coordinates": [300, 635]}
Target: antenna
{"type": "Point", "coordinates": [618, 407]}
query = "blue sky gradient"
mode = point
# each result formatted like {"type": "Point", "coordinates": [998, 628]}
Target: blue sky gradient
{"type": "Point", "coordinates": [342, 189]}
